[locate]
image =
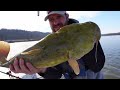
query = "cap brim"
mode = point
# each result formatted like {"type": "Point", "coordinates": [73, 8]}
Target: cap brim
{"type": "Point", "coordinates": [55, 12]}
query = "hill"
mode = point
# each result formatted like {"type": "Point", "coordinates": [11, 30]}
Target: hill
{"type": "Point", "coordinates": [15, 35]}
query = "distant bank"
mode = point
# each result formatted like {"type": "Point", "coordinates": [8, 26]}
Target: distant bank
{"type": "Point", "coordinates": [16, 35]}
{"type": "Point", "coordinates": [26, 40]}
{"type": "Point", "coordinates": [111, 34]}
{"type": "Point", "coordinates": [21, 40]}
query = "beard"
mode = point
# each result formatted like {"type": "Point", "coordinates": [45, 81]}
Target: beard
{"type": "Point", "coordinates": [55, 28]}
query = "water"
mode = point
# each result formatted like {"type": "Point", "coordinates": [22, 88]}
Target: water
{"type": "Point", "coordinates": [110, 45]}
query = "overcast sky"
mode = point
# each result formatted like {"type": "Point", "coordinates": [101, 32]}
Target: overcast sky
{"type": "Point", "coordinates": [108, 21]}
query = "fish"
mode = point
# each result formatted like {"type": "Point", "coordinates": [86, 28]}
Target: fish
{"type": "Point", "coordinates": [68, 44]}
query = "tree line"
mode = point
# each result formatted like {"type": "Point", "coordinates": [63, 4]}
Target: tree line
{"type": "Point", "coordinates": [16, 34]}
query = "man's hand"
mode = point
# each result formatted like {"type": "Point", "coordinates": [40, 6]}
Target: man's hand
{"type": "Point", "coordinates": [19, 66]}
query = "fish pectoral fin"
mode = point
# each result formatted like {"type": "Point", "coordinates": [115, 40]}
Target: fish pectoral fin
{"type": "Point", "coordinates": [74, 65]}
{"type": "Point", "coordinates": [32, 52]}
{"type": "Point", "coordinates": [96, 51]}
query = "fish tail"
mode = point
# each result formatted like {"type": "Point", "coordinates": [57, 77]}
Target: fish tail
{"type": "Point", "coordinates": [3, 61]}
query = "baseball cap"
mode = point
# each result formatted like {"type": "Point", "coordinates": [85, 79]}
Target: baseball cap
{"type": "Point", "coordinates": [54, 12]}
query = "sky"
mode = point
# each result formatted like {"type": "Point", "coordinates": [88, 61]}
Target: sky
{"type": "Point", "coordinates": [108, 21]}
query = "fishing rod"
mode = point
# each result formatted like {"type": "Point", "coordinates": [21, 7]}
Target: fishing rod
{"type": "Point", "coordinates": [38, 13]}
{"type": "Point", "coordinates": [10, 75]}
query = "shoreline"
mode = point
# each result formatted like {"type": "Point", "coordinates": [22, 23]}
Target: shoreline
{"type": "Point", "coordinates": [21, 40]}
{"type": "Point", "coordinates": [27, 40]}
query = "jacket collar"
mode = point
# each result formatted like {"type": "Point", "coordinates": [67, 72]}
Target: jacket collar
{"type": "Point", "coordinates": [72, 21]}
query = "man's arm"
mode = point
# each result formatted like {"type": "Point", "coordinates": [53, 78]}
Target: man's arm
{"type": "Point", "coordinates": [52, 73]}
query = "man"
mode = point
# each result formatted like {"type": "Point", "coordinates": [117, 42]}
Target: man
{"type": "Point", "coordinates": [89, 68]}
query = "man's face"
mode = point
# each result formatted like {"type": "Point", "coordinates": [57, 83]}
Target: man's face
{"type": "Point", "coordinates": [57, 21]}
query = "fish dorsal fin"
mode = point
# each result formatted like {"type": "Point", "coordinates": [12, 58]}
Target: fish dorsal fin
{"type": "Point", "coordinates": [74, 65]}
